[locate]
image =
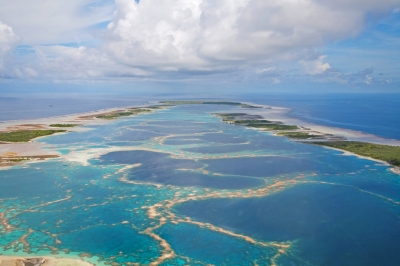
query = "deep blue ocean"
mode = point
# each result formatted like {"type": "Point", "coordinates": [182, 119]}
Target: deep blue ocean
{"type": "Point", "coordinates": [18, 107]}
{"type": "Point", "coordinates": [377, 114]}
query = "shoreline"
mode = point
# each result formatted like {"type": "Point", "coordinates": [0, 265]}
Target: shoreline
{"type": "Point", "coordinates": [34, 151]}
{"type": "Point", "coordinates": [276, 113]}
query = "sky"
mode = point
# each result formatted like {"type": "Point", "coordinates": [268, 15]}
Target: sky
{"type": "Point", "coordinates": [274, 45]}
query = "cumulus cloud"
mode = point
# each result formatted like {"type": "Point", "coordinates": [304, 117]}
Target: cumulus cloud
{"type": "Point", "coordinates": [178, 37]}
{"type": "Point", "coordinates": [209, 35]}
{"type": "Point", "coordinates": [316, 66]}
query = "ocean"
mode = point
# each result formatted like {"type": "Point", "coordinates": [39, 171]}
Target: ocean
{"type": "Point", "coordinates": [180, 187]}
{"type": "Point", "coordinates": [20, 107]}
{"type": "Point", "coordinates": [377, 114]}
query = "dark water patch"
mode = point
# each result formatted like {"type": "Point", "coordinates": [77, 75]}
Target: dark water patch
{"type": "Point", "coordinates": [378, 182]}
{"type": "Point", "coordinates": [174, 130]}
{"type": "Point", "coordinates": [188, 179]}
{"type": "Point", "coordinates": [162, 169]}
{"type": "Point", "coordinates": [137, 135]}
{"type": "Point", "coordinates": [222, 138]}
{"type": "Point", "coordinates": [219, 149]}
{"type": "Point", "coordinates": [183, 141]}
{"type": "Point", "coordinates": [148, 159]}
{"type": "Point", "coordinates": [174, 123]}
{"type": "Point", "coordinates": [259, 166]}
{"type": "Point", "coordinates": [123, 143]}
{"type": "Point", "coordinates": [268, 142]}
{"type": "Point", "coordinates": [334, 225]}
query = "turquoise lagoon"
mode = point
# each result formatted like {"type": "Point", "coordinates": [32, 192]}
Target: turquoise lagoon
{"type": "Point", "coordinates": [180, 187]}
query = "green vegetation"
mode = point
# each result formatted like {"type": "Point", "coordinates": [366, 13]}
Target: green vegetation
{"type": "Point", "coordinates": [230, 114]}
{"type": "Point", "coordinates": [274, 126]}
{"type": "Point", "coordinates": [255, 123]}
{"type": "Point", "coordinates": [390, 154]}
{"type": "Point", "coordinates": [114, 115]}
{"type": "Point", "coordinates": [26, 135]}
{"type": "Point", "coordinates": [229, 117]}
{"type": "Point", "coordinates": [199, 102]}
{"type": "Point", "coordinates": [18, 160]}
{"type": "Point", "coordinates": [157, 107]}
{"type": "Point", "coordinates": [243, 105]}
{"type": "Point", "coordinates": [64, 125]}
{"type": "Point", "coordinates": [299, 135]}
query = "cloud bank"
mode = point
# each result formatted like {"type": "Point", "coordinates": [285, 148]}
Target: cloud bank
{"type": "Point", "coordinates": [178, 39]}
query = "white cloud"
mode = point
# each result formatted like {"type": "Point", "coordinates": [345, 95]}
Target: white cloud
{"type": "Point", "coordinates": [80, 63]}
{"type": "Point", "coordinates": [205, 34]}
{"type": "Point", "coordinates": [179, 38]}
{"type": "Point", "coordinates": [8, 40]}
{"type": "Point", "coordinates": [316, 66]}
{"type": "Point", "coordinates": [52, 22]}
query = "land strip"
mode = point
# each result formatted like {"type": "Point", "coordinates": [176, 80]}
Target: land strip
{"type": "Point", "coordinates": [389, 154]}
{"type": "Point", "coordinates": [243, 105]}
{"type": "Point", "coordinates": [25, 135]}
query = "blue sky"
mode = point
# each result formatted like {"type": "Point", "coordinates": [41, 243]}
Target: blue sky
{"type": "Point", "coordinates": [311, 45]}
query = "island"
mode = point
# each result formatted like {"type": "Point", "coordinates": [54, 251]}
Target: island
{"type": "Point", "coordinates": [243, 105]}
{"type": "Point", "coordinates": [389, 154]}
{"type": "Point", "coordinates": [122, 113]}
{"type": "Point", "coordinates": [65, 125]}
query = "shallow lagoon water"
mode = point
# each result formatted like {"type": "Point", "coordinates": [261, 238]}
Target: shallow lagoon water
{"type": "Point", "coordinates": [179, 187]}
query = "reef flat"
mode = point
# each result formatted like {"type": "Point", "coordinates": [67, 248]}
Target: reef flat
{"type": "Point", "coordinates": [177, 186]}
